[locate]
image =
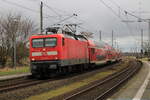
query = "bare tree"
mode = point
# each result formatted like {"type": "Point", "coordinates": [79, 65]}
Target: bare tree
{"type": "Point", "coordinates": [14, 30]}
{"type": "Point", "coordinates": [4, 46]}
{"type": "Point", "coordinates": [27, 27]}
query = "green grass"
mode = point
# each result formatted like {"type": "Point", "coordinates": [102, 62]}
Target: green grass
{"type": "Point", "coordinates": [144, 59]}
{"type": "Point", "coordinates": [10, 71]}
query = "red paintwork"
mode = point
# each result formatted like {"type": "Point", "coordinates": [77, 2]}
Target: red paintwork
{"type": "Point", "coordinates": [73, 49]}
{"type": "Point", "coordinates": [107, 52]}
{"type": "Point", "coordinates": [46, 57]}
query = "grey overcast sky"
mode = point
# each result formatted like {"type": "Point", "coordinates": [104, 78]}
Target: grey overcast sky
{"type": "Point", "coordinates": [93, 15]}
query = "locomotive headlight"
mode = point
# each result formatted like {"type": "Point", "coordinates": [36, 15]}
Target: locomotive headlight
{"type": "Point", "coordinates": [44, 49]}
{"type": "Point", "coordinates": [56, 58]}
{"type": "Point", "coordinates": [33, 59]}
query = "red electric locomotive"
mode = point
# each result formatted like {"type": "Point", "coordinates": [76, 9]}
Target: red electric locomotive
{"type": "Point", "coordinates": [59, 51]}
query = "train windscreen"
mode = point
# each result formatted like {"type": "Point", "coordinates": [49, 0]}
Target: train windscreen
{"type": "Point", "coordinates": [50, 42]}
{"type": "Point", "coordinates": [37, 43]}
{"type": "Point", "coordinates": [44, 42]}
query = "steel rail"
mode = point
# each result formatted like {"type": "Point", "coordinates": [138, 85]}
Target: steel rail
{"type": "Point", "coordinates": [16, 82]}
{"type": "Point", "coordinates": [22, 85]}
{"type": "Point", "coordinates": [129, 68]}
{"type": "Point", "coordinates": [100, 97]}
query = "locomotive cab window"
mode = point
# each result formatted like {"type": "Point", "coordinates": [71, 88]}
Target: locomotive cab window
{"type": "Point", "coordinates": [37, 43]}
{"type": "Point", "coordinates": [44, 42]}
{"type": "Point", "coordinates": [50, 42]}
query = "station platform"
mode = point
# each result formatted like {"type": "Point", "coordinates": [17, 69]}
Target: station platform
{"type": "Point", "coordinates": [7, 77]}
{"type": "Point", "coordinates": [137, 88]}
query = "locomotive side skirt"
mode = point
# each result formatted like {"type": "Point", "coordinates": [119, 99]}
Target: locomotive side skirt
{"type": "Point", "coordinates": [61, 62]}
{"type": "Point", "coordinates": [38, 67]}
{"type": "Point", "coordinates": [73, 62]}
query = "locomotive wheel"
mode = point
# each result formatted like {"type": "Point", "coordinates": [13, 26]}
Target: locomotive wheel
{"type": "Point", "coordinates": [69, 69]}
{"type": "Point", "coordinates": [92, 66]}
{"type": "Point", "coordinates": [32, 76]}
{"type": "Point", "coordinates": [40, 76]}
{"type": "Point", "coordinates": [64, 70]}
{"type": "Point", "coordinates": [85, 66]}
{"type": "Point", "coordinates": [80, 68]}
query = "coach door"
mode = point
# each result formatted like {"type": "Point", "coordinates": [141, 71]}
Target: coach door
{"type": "Point", "coordinates": [92, 55]}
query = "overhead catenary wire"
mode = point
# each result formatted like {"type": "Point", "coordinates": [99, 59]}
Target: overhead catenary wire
{"type": "Point", "coordinates": [117, 15]}
{"type": "Point", "coordinates": [64, 19]}
{"type": "Point", "coordinates": [60, 16]}
{"type": "Point", "coordinates": [115, 3]}
{"type": "Point", "coordinates": [15, 4]}
{"type": "Point", "coordinates": [52, 9]}
{"type": "Point", "coordinates": [55, 10]}
{"type": "Point", "coordinates": [26, 8]}
{"type": "Point", "coordinates": [36, 11]}
{"type": "Point", "coordinates": [127, 12]}
{"type": "Point", "coordinates": [109, 8]}
{"type": "Point", "coordinates": [118, 6]}
{"type": "Point", "coordinates": [131, 33]}
{"type": "Point", "coordinates": [128, 26]}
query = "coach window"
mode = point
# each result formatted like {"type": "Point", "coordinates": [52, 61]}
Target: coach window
{"type": "Point", "coordinates": [50, 42]}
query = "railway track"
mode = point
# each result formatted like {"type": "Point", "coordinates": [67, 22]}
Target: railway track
{"type": "Point", "coordinates": [27, 87]}
{"type": "Point", "coordinates": [101, 89]}
{"type": "Point", "coordinates": [11, 81]}
{"type": "Point", "coordinates": [19, 83]}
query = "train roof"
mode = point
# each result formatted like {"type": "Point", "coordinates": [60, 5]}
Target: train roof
{"type": "Point", "coordinates": [100, 44]}
{"type": "Point", "coordinates": [66, 34]}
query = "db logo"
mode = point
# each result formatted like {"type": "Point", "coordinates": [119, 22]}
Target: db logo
{"type": "Point", "coordinates": [44, 53]}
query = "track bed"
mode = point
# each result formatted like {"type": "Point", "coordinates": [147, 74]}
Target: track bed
{"type": "Point", "coordinates": [54, 83]}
